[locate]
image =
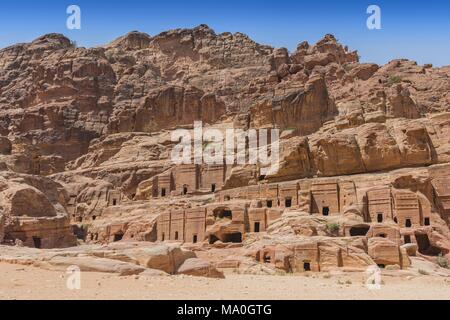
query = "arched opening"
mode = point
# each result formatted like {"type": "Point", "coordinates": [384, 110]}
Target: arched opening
{"type": "Point", "coordinates": [163, 192]}
{"type": "Point", "coordinates": [195, 238]}
{"type": "Point", "coordinates": [213, 187]}
{"type": "Point", "coordinates": [223, 213]}
{"type": "Point", "coordinates": [37, 242]}
{"type": "Point", "coordinates": [118, 236]}
{"type": "Point", "coordinates": [326, 211]}
{"type": "Point", "coordinates": [396, 220]}
{"type": "Point", "coordinates": [359, 231]}
{"type": "Point", "coordinates": [257, 226]}
{"type": "Point", "coordinates": [427, 221]}
{"type": "Point", "coordinates": [382, 235]}
{"type": "Point", "coordinates": [94, 218]}
{"type": "Point", "coordinates": [185, 190]}
{"type": "Point", "coordinates": [269, 203]}
{"type": "Point", "coordinates": [176, 235]}
{"type": "Point", "coordinates": [232, 237]}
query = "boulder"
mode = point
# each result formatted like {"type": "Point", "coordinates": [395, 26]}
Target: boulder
{"type": "Point", "coordinates": [94, 264]}
{"type": "Point", "coordinates": [161, 257]}
{"type": "Point", "coordinates": [199, 268]}
{"type": "Point", "coordinates": [411, 249]}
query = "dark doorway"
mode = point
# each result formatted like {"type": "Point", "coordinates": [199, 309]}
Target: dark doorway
{"type": "Point", "coordinates": [408, 223]}
{"type": "Point", "coordinates": [307, 266]}
{"type": "Point", "coordinates": [427, 221]}
{"type": "Point", "coordinates": [326, 211]}
{"type": "Point", "coordinates": [118, 237]}
{"type": "Point", "coordinates": [257, 226]}
{"type": "Point", "coordinates": [163, 237]}
{"type": "Point", "coordinates": [232, 238]}
{"type": "Point", "coordinates": [360, 231]}
{"type": "Point", "coordinates": [94, 218]}
{"type": "Point", "coordinates": [381, 266]}
{"type": "Point", "coordinates": [288, 202]}
{"type": "Point", "coordinates": [425, 247]}
{"type": "Point", "coordinates": [114, 202]}
{"type": "Point", "coordinates": [407, 239]}
{"type": "Point", "coordinates": [223, 214]}
{"type": "Point", "coordinates": [176, 235]}
{"type": "Point", "coordinates": [380, 217]}
{"type": "Point", "coordinates": [395, 220]}
{"type": "Point", "coordinates": [269, 203]}
{"type": "Point", "coordinates": [37, 242]}
{"type": "Point", "coordinates": [185, 190]}
{"type": "Point", "coordinates": [382, 235]}
{"type": "Point", "coordinates": [267, 258]}
{"type": "Point", "coordinates": [195, 239]}
{"type": "Point", "coordinates": [163, 192]}
{"type": "Point", "coordinates": [213, 188]}
{"type": "Point", "coordinates": [213, 239]}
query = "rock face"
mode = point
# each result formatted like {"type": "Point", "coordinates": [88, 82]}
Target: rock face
{"type": "Point", "coordinates": [85, 151]}
{"type": "Point", "coordinates": [33, 212]}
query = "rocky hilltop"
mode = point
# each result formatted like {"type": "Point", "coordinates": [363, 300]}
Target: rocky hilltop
{"type": "Point", "coordinates": [85, 151]}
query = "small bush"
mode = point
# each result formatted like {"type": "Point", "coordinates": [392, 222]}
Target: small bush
{"type": "Point", "coordinates": [348, 67]}
{"type": "Point", "coordinates": [333, 227]}
{"type": "Point", "coordinates": [394, 80]}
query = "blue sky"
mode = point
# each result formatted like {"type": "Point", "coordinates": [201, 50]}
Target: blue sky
{"type": "Point", "coordinates": [417, 31]}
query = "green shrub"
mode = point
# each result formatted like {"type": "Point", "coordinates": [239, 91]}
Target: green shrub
{"type": "Point", "coordinates": [394, 80]}
{"type": "Point", "coordinates": [333, 227]}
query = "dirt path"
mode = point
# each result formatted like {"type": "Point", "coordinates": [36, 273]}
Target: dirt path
{"type": "Point", "coordinates": [18, 282]}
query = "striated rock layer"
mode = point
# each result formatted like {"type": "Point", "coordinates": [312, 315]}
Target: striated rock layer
{"type": "Point", "coordinates": [85, 147]}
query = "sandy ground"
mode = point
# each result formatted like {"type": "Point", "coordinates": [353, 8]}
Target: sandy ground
{"type": "Point", "coordinates": [25, 283]}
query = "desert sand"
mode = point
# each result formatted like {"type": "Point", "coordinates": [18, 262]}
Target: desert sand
{"type": "Point", "coordinates": [29, 283]}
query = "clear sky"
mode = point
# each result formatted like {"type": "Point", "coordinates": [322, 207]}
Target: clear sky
{"type": "Point", "coordinates": [410, 29]}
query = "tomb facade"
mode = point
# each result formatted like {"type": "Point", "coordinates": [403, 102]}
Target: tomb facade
{"type": "Point", "coordinates": [379, 205]}
{"type": "Point", "coordinates": [325, 198]}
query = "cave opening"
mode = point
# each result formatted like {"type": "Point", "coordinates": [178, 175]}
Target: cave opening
{"type": "Point", "coordinates": [119, 236]}
{"type": "Point", "coordinates": [425, 247]}
{"type": "Point", "coordinates": [232, 237]}
{"type": "Point", "coordinates": [359, 231]}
